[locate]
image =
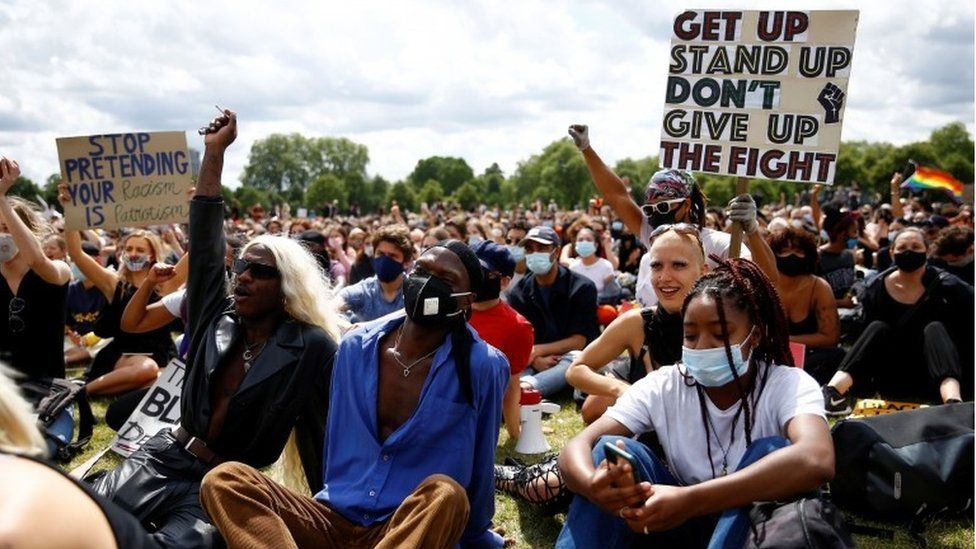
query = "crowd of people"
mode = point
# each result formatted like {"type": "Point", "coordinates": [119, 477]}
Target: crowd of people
{"type": "Point", "coordinates": [378, 356]}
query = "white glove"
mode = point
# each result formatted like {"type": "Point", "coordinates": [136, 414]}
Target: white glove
{"type": "Point", "coordinates": [742, 209]}
{"type": "Point", "coordinates": [581, 136]}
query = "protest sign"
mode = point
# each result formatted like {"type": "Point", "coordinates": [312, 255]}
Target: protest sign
{"type": "Point", "coordinates": [125, 180]}
{"type": "Point", "coordinates": [758, 94]}
{"type": "Point", "coordinates": [158, 410]}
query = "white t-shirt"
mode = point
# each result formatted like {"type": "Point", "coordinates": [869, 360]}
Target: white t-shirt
{"type": "Point", "coordinates": [714, 242]}
{"type": "Point", "coordinates": [173, 301]}
{"type": "Point", "coordinates": [664, 403]}
{"type": "Point", "coordinates": [597, 272]}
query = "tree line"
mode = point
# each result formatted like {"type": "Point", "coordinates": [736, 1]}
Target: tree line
{"type": "Point", "coordinates": [312, 171]}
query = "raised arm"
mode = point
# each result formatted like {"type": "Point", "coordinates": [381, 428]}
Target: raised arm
{"type": "Point", "coordinates": [52, 272]}
{"type": "Point", "coordinates": [611, 187]}
{"type": "Point", "coordinates": [140, 316]}
{"type": "Point", "coordinates": [103, 279]}
{"type": "Point", "coordinates": [742, 209]}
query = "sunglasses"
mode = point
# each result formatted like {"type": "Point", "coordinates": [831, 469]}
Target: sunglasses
{"type": "Point", "coordinates": [680, 228]}
{"type": "Point", "coordinates": [14, 320]}
{"type": "Point", "coordinates": [258, 270]}
{"type": "Point", "coordinates": [663, 207]}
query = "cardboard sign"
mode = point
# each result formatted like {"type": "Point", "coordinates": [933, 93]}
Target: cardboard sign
{"type": "Point", "coordinates": [758, 94]}
{"type": "Point", "coordinates": [125, 180]}
{"type": "Point", "coordinates": [158, 410]}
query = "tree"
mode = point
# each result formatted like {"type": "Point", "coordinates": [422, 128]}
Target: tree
{"type": "Point", "coordinates": [403, 195]}
{"type": "Point", "coordinates": [378, 188]}
{"type": "Point", "coordinates": [326, 189]}
{"type": "Point", "coordinates": [249, 196]}
{"type": "Point", "coordinates": [490, 183]}
{"type": "Point", "coordinates": [559, 174]}
{"type": "Point", "coordinates": [639, 172]}
{"type": "Point", "coordinates": [25, 188]}
{"type": "Point", "coordinates": [449, 171]}
{"type": "Point", "coordinates": [467, 196]}
{"type": "Point", "coordinates": [431, 192]}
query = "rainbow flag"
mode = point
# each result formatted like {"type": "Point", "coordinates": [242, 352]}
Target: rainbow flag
{"type": "Point", "coordinates": [926, 178]}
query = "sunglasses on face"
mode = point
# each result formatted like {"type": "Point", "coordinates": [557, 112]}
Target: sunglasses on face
{"type": "Point", "coordinates": [663, 207]}
{"type": "Point", "coordinates": [258, 270]}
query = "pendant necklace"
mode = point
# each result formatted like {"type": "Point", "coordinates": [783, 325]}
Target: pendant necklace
{"type": "Point", "coordinates": [252, 350]}
{"type": "Point", "coordinates": [725, 451]}
{"type": "Point", "coordinates": [396, 355]}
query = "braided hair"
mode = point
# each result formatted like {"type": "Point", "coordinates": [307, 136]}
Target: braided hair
{"type": "Point", "coordinates": [741, 284]}
{"type": "Point", "coordinates": [698, 199]}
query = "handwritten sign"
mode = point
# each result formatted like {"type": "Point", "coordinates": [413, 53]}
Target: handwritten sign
{"type": "Point", "coordinates": [125, 180]}
{"type": "Point", "coordinates": [158, 410]}
{"type": "Point", "coordinates": [758, 94]}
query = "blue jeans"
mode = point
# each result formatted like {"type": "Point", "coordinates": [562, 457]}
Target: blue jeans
{"type": "Point", "coordinates": [63, 429]}
{"type": "Point", "coordinates": [552, 381]}
{"type": "Point", "coordinates": [588, 526]}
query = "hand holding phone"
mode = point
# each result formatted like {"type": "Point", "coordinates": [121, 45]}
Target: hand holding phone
{"type": "Point", "coordinates": [616, 456]}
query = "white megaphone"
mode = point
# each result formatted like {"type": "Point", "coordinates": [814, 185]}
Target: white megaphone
{"type": "Point", "coordinates": [531, 439]}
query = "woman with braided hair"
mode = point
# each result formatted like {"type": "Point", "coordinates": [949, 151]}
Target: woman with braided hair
{"type": "Point", "coordinates": [735, 421]}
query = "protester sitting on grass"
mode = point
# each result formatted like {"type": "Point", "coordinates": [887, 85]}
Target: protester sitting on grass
{"type": "Point", "coordinates": [37, 495]}
{"type": "Point", "coordinates": [413, 424]}
{"type": "Point", "coordinates": [257, 369]}
{"type": "Point", "coordinates": [811, 308]}
{"type": "Point", "coordinates": [382, 293]}
{"type": "Point", "coordinates": [32, 292]}
{"type": "Point", "coordinates": [736, 424]}
{"type": "Point", "coordinates": [953, 251]}
{"type": "Point", "coordinates": [918, 343]}
{"type": "Point", "coordinates": [837, 257]}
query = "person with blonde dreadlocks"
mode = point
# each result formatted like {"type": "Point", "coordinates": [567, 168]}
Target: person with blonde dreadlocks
{"type": "Point", "coordinates": [736, 424]}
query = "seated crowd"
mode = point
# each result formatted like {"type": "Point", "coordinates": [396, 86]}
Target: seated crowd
{"type": "Point", "coordinates": [377, 357]}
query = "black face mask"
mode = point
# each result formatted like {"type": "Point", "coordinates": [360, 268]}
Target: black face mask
{"type": "Point", "coordinates": [792, 265]}
{"type": "Point", "coordinates": [909, 260]}
{"type": "Point", "coordinates": [658, 219]}
{"type": "Point", "coordinates": [429, 301]}
{"type": "Point", "coordinates": [490, 289]}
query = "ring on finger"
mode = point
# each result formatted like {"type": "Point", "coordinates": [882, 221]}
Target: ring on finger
{"type": "Point", "coordinates": [620, 513]}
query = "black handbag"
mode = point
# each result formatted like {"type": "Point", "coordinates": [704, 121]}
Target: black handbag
{"type": "Point", "coordinates": [50, 397]}
{"type": "Point", "coordinates": [811, 522]}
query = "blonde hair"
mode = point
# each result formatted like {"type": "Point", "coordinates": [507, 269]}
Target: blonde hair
{"type": "Point", "coordinates": [155, 244]}
{"type": "Point", "coordinates": [309, 298]}
{"type": "Point", "coordinates": [18, 428]}
{"type": "Point", "coordinates": [29, 213]}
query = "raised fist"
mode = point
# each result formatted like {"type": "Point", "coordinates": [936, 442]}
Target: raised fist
{"type": "Point", "coordinates": [742, 209]}
{"type": "Point", "coordinates": [831, 99]}
{"type": "Point", "coordinates": [222, 131]}
{"type": "Point", "coordinates": [581, 136]}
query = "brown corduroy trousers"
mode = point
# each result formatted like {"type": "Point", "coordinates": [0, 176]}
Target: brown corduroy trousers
{"type": "Point", "coordinates": [254, 512]}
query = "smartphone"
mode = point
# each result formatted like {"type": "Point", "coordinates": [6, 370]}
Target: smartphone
{"type": "Point", "coordinates": [614, 455]}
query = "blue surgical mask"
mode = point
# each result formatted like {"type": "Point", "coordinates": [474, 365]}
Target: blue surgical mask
{"type": "Point", "coordinates": [538, 262]}
{"type": "Point", "coordinates": [617, 226]}
{"type": "Point", "coordinates": [851, 243]}
{"type": "Point", "coordinates": [710, 367]}
{"type": "Point", "coordinates": [77, 274]}
{"type": "Point", "coordinates": [518, 253]}
{"type": "Point", "coordinates": [585, 248]}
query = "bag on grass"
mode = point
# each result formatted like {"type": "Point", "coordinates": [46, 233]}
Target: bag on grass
{"type": "Point", "coordinates": [50, 397]}
{"type": "Point", "coordinates": [905, 465]}
{"type": "Point", "coordinates": [808, 522]}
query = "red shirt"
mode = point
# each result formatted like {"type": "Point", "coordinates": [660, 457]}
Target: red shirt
{"type": "Point", "coordinates": [506, 330]}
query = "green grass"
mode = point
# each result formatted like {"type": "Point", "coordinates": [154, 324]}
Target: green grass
{"type": "Point", "coordinates": [529, 527]}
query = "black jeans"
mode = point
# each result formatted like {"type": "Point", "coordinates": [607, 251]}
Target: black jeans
{"type": "Point", "coordinates": [160, 485]}
{"type": "Point", "coordinates": [890, 364]}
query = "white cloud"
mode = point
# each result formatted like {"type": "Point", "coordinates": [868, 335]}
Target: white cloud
{"type": "Point", "coordinates": [483, 80]}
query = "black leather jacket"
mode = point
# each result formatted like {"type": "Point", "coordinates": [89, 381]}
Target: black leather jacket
{"type": "Point", "coordinates": [287, 386]}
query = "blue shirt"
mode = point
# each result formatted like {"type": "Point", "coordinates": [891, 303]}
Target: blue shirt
{"type": "Point", "coordinates": [366, 480]}
{"type": "Point", "coordinates": [365, 300]}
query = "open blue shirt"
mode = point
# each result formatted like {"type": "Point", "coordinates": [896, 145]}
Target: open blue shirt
{"type": "Point", "coordinates": [365, 480]}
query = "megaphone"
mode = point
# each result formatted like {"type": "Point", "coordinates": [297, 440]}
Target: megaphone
{"type": "Point", "coordinates": [531, 439]}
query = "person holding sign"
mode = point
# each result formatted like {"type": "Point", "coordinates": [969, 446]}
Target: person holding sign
{"type": "Point", "coordinates": [257, 369]}
{"type": "Point", "coordinates": [736, 424]}
{"type": "Point", "coordinates": [32, 293]}
{"type": "Point", "coordinates": [130, 361]}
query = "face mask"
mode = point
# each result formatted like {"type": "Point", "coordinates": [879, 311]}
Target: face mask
{"type": "Point", "coordinates": [335, 242]}
{"type": "Point", "coordinates": [617, 226]}
{"type": "Point", "coordinates": [77, 274]}
{"type": "Point", "coordinates": [851, 243]}
{"type": "Point", "coordinates": [909, 260]}
{"type": "Point", "coordinates": [658, 219]}
{"type": "Point", "coordinates": [386, 268]}
{"type": "Point", "coordinates": [585, 248]}
{"type": "Point", "coordinates": [474, 239]}
{"type": "Point", "coordinates": [8, 248]}
{"type": "Point", "coordinates": [491, 289]}
{"type": "Point", "coordinates": [792, 265]}
{"type": "Point", "coordinates": [538, 262]}
{"type": "Point", "coordinates": [429, 301]}
{"type": "Point", "coordinates": [136, 263]}
{"type": "Point", "coordinates": [518, 253]}
{"type": "Point", "coordinates": [710, 367]}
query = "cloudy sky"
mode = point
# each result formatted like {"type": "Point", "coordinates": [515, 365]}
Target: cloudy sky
{"type": "Point", "coordinates": [487, 81]}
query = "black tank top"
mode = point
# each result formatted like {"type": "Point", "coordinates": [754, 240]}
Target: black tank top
{"type": "Point", "coordinates": [108, 324]}
{"type": "Point", "coordinates": [662, 336]}
{"type": "Point", "coordinates": [125, 527]}
{"type": "Point", "coordinates": [809, 324]}
{"type": "Point", "coordinates": [32, 326]}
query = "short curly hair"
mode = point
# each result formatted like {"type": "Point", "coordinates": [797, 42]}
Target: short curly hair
{"type": "Point", "coordinates": [798, 239]}
{"type": "Point", "coordinates": [399, 236]}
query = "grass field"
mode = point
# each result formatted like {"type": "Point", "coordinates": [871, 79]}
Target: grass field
{"type": "Point", "coordinates": [530, 528]}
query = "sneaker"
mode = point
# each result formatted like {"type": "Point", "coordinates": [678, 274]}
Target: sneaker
{"type": "Point", "coordinates": [836, 404]}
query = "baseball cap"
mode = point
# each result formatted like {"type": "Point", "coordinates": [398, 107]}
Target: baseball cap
{"type": "Point", "coordinates": [542, 235]}
{"type": "Point", "coordinates": [494, 257]}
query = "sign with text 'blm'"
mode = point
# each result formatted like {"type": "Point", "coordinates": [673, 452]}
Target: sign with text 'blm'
{"type": "Point", "coordinates": [125, 179]}
{"type": "Point", "coordinates": [158, 410]}
{"type": "Point", "coordinates": [758, 94]}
